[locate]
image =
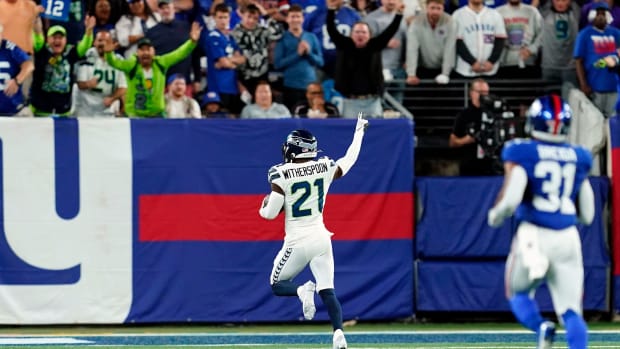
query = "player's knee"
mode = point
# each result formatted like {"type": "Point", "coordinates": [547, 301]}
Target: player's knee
{"type": "Point", "coordinates": [576, 330]}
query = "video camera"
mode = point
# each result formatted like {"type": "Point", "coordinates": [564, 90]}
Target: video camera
{"type": "Point", "coordinates": [498, 125]}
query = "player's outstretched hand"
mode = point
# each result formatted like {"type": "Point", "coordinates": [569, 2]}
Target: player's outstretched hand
{"type": "Point", "coordinates": [362, 124]}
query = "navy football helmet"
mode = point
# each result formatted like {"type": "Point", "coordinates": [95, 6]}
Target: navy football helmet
{"type": "Point", "coordinates": [300, 144]}
{"type": "Point", "coordinates": [548, 119]}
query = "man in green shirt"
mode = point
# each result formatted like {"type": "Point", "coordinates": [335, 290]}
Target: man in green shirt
{"type": "Point", "coordinates": [146, 74]}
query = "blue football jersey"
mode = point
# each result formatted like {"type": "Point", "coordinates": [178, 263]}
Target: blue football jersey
{"type": "Point", "coordinates": [11, 59]}
{"type": "Point", "coordinates": [555, 172]}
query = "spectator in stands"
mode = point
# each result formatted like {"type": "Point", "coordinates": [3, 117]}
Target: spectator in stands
{"type": "Point", "coordinates": [264, 107]}
{"type": "Point", "coordinates": [75, 24]}
{"type": "Point", "coordinates": [169, 34]}
{"type": "Point", "coordinates": [315, 23]}
{"type": "Point", "coordinates": [103, 15]}
{"type": "Point", "coordinates": [297, 54]}
{"type": "Point", "coordinates": [392, 56]}
{"type": "Point", "coordinates": [524, 28]}
{"type": "Point", "coordinates": [178, 104]}
{"type": "Point", "coordinates": [223, 59]}
{"type": "Point", "coordinates": [560, 29]}
{"type": "Point", "coordinates": [466, 125]}
{"type": "Point", "coordinates": [101, 88]}
{"type": "Point", "coordinates": [315, 106]}
{"type": "Point", "coordinates": [412, 9]}
{"type": "Point", "coordinates": [364, 7]}
{"type": "Point", "coordinates": [132, 26]}
{"type": "Point", "coordinates": [430, 45]}
{"type": "Point", "coordinates": [613, 9]}
{"type": "Point", "coordinates": [254, 40]}
{"type": "Point", "coordinates": [16, 68]}
{"type": "Point", "coordinates": [480, 38]}
{"type": "Point", "coordinates": [359, 74]}
{"type": "Point", "coordinates": [18, 18]}
{"type": "Point", "coordinates": [146, 74]}
{"type": "Point", "coordinates": [594, 42]}
{"type": "Point", "coordinates": [212, 109]}
{"type": "Point", "coordinates": [52, 83]}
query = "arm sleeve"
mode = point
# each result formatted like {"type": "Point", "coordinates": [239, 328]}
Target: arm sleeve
{"type": "Point", "coordinates": [84, 44]}
{"type": "Point", "coordinates": [498, 47]}
{"type": "Point", "coordinates": [382, 39]}
{"type": "Point", "coordinates": [273, 206]}
{"type": "Point", "coordinates": [38, 40]}
{"type": "Point", "coordinates": [174, 57]}
{"type": "Point", "coordinates": [413, 45]}
{"type": "Point", "coordinates": [449, 53]}
{"type": "Point", "coordinates": [124, 65]}
{"type": "Point", "coordinates": [350, 157]}
{"type": "Point", "coordinates": [463, 52]}
{"type": "Point", "coordinates": [337, 38]}
{"type": "Point", "coordinates": [513, 194]}
{"type": "Point", "coordinates": [585, 202]}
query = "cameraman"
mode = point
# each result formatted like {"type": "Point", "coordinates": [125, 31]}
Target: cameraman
{"type": "Point", "coordinates": [466, 125]}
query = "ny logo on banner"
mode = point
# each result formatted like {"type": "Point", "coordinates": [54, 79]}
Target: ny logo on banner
{"type": "Point", "coordinates": [65, 221]}
{"type": "Point", "coordinates": [56, 9]}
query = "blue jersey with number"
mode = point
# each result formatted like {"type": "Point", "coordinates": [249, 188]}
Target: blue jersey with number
{"type": "Point", "coordinates": [11, 59]}
{"type": "Point", "coordinates": [555, 172]}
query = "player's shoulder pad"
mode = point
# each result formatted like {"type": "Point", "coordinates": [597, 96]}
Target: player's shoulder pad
{"type": "Point", "coordinates": [327, 159]}
{"type": "Point", "coordinates": [514, 149]}
{"type": "Point", "coordinates": [274, 173]}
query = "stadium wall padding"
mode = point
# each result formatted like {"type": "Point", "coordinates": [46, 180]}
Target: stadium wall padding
{"type": "Point", "coordinates": [460, 259]}
{"type": "Point", "coordinates": [150, 221]}
{"type": "Point", "coordinates": [614, 140]}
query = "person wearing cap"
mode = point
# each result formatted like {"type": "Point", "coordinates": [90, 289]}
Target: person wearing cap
{"type": "Point", "coordinates": [178, 105]}
{"type": "Point", "coordinates": [146, 74]}
{"type": "Point", "coordinates": [52, 82]}
{"type": "Point", "coordinates": [101, 88]}
{"type": "Point", "coordinates": [593, 43]}
{"type": "Point", "coordinates": [17, 67]}
{"type": "Point", "coordinates": [211, 107]}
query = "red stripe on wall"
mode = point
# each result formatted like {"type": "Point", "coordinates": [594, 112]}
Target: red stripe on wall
{"type": "Point", "coordinates": [202, 217]}
{"type": "Point", "coordinates": [615, 211]}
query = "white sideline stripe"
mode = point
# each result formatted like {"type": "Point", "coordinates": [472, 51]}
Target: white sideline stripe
{"type": "Point", "coordinates": [41, 340]}
{"type": "Point", "coordinates": [287, 334]}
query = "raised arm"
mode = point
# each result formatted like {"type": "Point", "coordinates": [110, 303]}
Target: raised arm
{"type": "Point", "coordinates": [350, 157]}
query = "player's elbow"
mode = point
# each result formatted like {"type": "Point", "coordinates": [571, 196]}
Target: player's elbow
{"type": "Point", "coordinates": [585, 203]}
{"type": "Point", "coordinates": [266, 215]}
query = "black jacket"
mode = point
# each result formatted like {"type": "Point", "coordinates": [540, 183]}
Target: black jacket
{"type": "Point", "coordinates": [359, 71]}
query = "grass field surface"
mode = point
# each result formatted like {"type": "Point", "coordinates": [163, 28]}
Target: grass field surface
{"type": "Point", "coordinates": [293, 336]}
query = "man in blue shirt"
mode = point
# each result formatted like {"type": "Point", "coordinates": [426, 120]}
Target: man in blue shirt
{"type": "Point", "coordinates": [15, 67]}
{"type": "Point", "coordinates": [297, 54]}
{"type": "Point", "coordinates": [223, 58]}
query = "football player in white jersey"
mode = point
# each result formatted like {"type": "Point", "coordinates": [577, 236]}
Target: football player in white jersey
{"type": "Point", "coordinates": [546, 187]}
{"type": "Point", "coordinates": [299, 187]}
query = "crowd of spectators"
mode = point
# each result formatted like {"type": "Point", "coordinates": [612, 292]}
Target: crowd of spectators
{"type": "Point", "coordinates": [259, 58]}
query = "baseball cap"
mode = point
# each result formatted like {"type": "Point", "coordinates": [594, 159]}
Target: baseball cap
{"type": "Point", "coordinates": [173, 77]}
{"type": "Point", "coordinates": [161, 2]}
{"type": "Point", "coordinates": [601, 5]}
{"type": "Point", "coordinates": [144, 41]}
{"type": "Point", "coordinates": [211, 97]}
{"type": "Point", "coordinates": [56, 29]}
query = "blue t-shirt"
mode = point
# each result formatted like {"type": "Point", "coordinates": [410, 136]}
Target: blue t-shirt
{"type": "Point", "coordinates": [591, 45]}
{"type": "Point", "coordinates": [11, 59]}
{"type": "Point", "coordinates": [216, 45]}
{"type": "Point", "coordinates": [555, 172]}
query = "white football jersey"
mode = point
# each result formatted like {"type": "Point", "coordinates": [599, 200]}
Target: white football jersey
{"type": "Point", "coordinates": [305, 187]}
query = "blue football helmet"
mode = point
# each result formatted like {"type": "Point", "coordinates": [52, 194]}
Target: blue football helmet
{"type": "Point", "coordinates": [548, 119]}
{"type": "Point", "coordinates": [300, 144]}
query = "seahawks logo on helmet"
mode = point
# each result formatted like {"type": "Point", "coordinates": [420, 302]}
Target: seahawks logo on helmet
{"type": "Point", "coordinates": [548, 119]}
{"type": "Point", "coordinates": [300, 144]}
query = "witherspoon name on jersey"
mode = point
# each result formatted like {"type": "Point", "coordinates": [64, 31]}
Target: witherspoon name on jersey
{"type": "Point", "coordinates": [305, 171]}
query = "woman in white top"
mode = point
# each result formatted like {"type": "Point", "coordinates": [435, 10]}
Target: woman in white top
{"type": "Point", "coordinates": [132, 26]}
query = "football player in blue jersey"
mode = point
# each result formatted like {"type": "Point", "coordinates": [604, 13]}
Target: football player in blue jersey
{"type": "Point", "coordinates": [547, 189]}
{"type": "Point", "coordinates": [299, 187]}
{"type": "Point", "coordinates": [15, 66]}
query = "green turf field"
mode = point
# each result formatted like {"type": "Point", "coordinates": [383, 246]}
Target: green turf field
{"type": "Point", "coordinates": [291, 336]}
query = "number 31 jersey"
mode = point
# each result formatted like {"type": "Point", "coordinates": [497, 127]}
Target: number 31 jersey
{"type": "Point", "coordinates": [305, 187]}
{"type": "Point", "coordinates": [555, 172]}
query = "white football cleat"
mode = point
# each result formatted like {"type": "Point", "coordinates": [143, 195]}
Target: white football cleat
{"type": "Point", "coordinates": [307, 300]}
{"type": "Point", "coordinates": [339, 341]}
{"type": "Point", "coordinates": [546, 335]}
